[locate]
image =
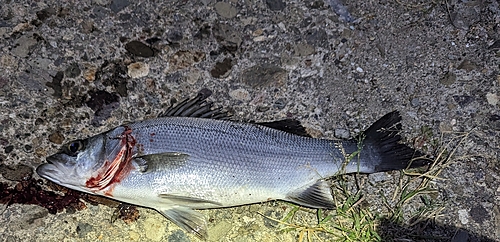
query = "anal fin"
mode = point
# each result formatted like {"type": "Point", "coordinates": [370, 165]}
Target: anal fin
{"type": "Point", "coordinates": [187, 219]}
{"type": "Point", "coordinates": [317, 195]}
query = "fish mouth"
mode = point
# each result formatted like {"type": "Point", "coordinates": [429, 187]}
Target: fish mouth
{"type": "Point", "coordinates": [48, 171]}
{"type": "Point", "coordinates": [51, 160]}
{"type": "Point", "coordinates": [53, 170]}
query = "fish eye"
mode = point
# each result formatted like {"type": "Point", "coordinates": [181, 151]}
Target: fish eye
{"type": "Point", "coordinates": [74, 147]}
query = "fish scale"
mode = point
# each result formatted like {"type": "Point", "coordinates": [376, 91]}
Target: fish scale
{"type": "Point", "coordinates": [198, 160]}
{"type": "Point", "coordinates": [260, 151]}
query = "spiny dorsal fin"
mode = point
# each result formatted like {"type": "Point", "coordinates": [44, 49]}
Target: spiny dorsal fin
{"type": "Point", "coordinates": [199, 108]}
{"type": "Point", "coordinates": [287, 125]}
{"type": "Point", "coordinates": [196, 107]}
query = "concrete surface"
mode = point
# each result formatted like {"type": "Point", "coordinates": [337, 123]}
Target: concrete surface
{"type": "Point", "coordinates": [71, 69]}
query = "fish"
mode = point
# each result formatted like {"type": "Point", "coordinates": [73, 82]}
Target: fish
{"type": "Point", "coordinates": [194, 156]}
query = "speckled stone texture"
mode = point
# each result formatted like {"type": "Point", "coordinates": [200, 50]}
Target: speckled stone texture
{"type": "Point", "coordinates": [71, 69]}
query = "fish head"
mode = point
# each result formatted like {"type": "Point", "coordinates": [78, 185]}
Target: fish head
{"type": "Point", "coordinates": [78, 161]}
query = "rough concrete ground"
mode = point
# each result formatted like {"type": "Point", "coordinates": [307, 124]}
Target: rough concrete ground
{"type": "Point", "coordinates": [71, 69]}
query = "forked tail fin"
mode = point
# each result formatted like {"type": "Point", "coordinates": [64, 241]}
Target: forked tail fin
{"type": "Point", "coordinates": [380, 149]}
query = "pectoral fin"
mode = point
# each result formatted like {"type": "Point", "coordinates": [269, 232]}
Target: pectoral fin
{"type": "Point", "coordinates": [316, 196]}
{"type": "Point", "coordinates": [187, 219]}
{"type": "Point", "coordinates": [140, 164]}
{"type": "Point", "coordinates": [162, 161]}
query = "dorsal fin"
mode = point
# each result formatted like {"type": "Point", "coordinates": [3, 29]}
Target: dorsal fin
{"type": "Point", "coordinates": [199, 108]}
{"type": "Point", "coordinates": [287, 125]}
{"type": "Point", "coordinates": [196, 107]}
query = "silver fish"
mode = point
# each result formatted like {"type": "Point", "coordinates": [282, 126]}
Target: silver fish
{"type": "Point", "coordinates": [191, 157]}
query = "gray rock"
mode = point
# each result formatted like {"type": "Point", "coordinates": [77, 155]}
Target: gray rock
{"type": "Point", "coordinates": [34, 80]}
{"type": "Point", "coordinates": [342, 133]}
{"type": "Point", "coordinates": [83, 229]}
{"type": "Point", "coordinates": [276, 5]}
{"type": "Point", "coordinates": [139, 49]}
{"type": "Point", "coordinates": [449, 78]}
{"type": "Point", "coordinates": [56, 137]}
{"type": "Point", "coordinates": [341, 10]}
{"type": "Point", "coordinates": [415, 102]}
{"type": "Point", "coordinates": [41, 63]}
{"type": "Point", "coordinates": [217, 232]}
{"type": "Point", "coordinates": [102, 2]}
{"type": "Point", "coordinates": [264, 75]}
{"type": "Point", "coordinates": [410, 89]}
{"type": "Point", "coordinates": [72, 71]}
{"type": "Point", "coordinates": [240, 94]}
{"type": "Point", "coordinates": [227, 36]}
{"type": "Point", "coordinates": [11, 238]}
{"type": "Point", "coordinates": [316, 37]}
{"type": "Point", "coordinates": [464, 15]}
{"type": "Point", "coordinates": [178, 236]}
{"type": "Point", "coordinates": [303, 49]}
{"type": "Point", "coordinates": [23, 45]}
{"type": "Point", "coordinates": [19, 172]}
{"type": "Point", "coordinates": [45, 13]}
{"type": "Point", "coordinates": [118, 5]}
{"type": "Point", "coordinates": [138, 69]}
{"type": "Point", "coordinates": [226, 10]}
{"type": "Point", "coordinates": [100, 12]}
{"type": "Point", "coordinates": [221, 68]}
{"type": "Point", "coordinates": [378, 177]}
{"type": "Point", "coordinates": [280, 103]}
{"type": "Point", "coordinates": [463, 100]}
{"type": "Point", "coordinates": [3, 83]}
{"type": "Point", "coordinates": [479, 214]}
{"type": "Point", "coordinates": [183, 59]}
{"type": "Point", "coordinates": [175, 36]}
{"type": "Point", "coordinates": [467, 65]}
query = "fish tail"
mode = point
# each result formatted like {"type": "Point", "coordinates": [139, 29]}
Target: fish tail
{"type": "Point", "coordinates": [379, 149]}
